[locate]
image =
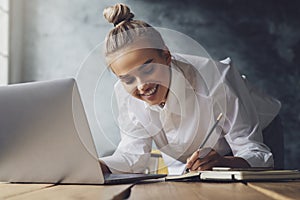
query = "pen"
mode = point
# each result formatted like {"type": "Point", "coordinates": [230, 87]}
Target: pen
{"type": "Point", "coordinates": [208, 135]}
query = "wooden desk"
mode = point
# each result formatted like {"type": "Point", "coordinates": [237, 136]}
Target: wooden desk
{"type": "Point", "coordinates": [278, 190]}
{"type": "Point", "coordinates": [195, 191]}
{"type": "Point", "coordinates": [65, 192]}
{"type": "Point", "coordinates": [154, 190]}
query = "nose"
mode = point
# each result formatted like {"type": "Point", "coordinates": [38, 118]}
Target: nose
{"type": "Point", "coordinates": [141, 85]}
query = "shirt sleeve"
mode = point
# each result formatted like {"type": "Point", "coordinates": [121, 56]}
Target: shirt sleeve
{"type": "Point", "coordinates": [131, 156]}
{"type": "Point", "coordinates": [133, 151]}
{"type": "Point", "coordinates": [242, 127]}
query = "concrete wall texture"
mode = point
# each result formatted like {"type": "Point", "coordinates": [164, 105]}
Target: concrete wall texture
{"type": "Point", "coordinates": [261, 37]}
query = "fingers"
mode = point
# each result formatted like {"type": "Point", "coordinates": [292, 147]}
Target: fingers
{"type": "Point", "coordinates": [191, 160]}
{"type": "Point", "coordinates": [206, 162]}
{"type": "Point", "coordinates": [104, 167]}
{"type": "Point", "coordinates": [208, 165]}
{"type": "Point", "coordinates": [198, 164]}
{"type": "Point", "coordinates": [212, 159]}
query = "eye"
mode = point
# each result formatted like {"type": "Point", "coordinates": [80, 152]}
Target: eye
{"type": "Point", "coordinates": [128, 80]}
{"type": "Point", "coordinates": [148, 69]}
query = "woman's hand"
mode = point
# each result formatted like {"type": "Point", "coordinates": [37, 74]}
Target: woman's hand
{"type": "Point", "coordinates": [213, 159]}
{"type": "Point", "coordinates": [104, 167]}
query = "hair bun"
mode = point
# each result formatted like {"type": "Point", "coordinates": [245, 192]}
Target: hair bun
{"type": "Point", "coordinates": [117, 14]}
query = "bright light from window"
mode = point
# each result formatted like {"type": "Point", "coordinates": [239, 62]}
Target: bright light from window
{"type": "Point", "coordinates": [4, 38]}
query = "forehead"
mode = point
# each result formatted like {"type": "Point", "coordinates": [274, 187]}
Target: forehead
{"type": "Point", "coordinates": [133, 59]}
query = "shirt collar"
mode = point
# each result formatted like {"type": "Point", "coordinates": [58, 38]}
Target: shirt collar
{"type": "Point", "coordinates": [176, 98]}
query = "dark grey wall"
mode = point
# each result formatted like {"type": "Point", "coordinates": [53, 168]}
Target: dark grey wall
{"type": "Point", "coordinates": [262, 38]}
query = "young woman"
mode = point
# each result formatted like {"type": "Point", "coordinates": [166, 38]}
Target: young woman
{"type": "Point", "coordinates": [174, 99]}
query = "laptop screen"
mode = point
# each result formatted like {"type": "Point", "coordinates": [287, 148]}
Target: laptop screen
{"type": "Point", "coordinates": [44, 135]}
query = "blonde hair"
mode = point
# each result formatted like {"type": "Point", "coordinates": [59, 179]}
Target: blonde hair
{"type": "Point", "coordinates": [127, 31]}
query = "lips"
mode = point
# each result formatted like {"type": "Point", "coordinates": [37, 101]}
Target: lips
{"type": "Point", "coordinates": [150, 92]}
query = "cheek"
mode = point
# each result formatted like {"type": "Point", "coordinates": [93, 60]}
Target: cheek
{"type": "Point", "coordinates": [162, 77]}
{"type": "Point", "coordinates": [131, 89]}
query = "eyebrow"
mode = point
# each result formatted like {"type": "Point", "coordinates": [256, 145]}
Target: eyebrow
{"type": "Point", "coordinates": [139, 68]}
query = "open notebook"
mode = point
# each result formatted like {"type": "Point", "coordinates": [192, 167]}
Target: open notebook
{"type": "Point", "coordinates": [238, 175]}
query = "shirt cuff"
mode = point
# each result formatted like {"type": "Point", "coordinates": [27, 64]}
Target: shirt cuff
{"type": "Point", "coordinates": [116, 164]}
{"type": "Point", "coordinates": [122, 163]}
{"type": "Point", "coordinates": [259, 159]}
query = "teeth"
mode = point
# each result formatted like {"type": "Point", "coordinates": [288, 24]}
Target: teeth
{"type": "Point", "coordinates": [150, 92]}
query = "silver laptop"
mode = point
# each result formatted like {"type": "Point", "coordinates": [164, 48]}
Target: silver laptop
{"type": "Point", "coordinates": [45, 137]}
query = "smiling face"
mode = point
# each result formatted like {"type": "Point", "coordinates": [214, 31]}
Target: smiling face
{"type": "Point", "coordinates": [145, 74]}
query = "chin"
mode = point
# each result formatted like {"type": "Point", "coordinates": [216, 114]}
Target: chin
{"type": "Point", "coordinates": [152, 103]}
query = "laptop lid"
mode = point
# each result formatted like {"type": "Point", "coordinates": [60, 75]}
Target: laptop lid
{"type": "Point", "coordinates": [44, 135]}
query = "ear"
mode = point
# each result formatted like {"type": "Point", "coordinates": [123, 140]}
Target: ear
{"type": "Point", "coordinates": [167, 55]}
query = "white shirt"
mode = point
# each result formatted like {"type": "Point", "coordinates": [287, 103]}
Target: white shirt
{"type": "Point", "coordinates": [200, 89]}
